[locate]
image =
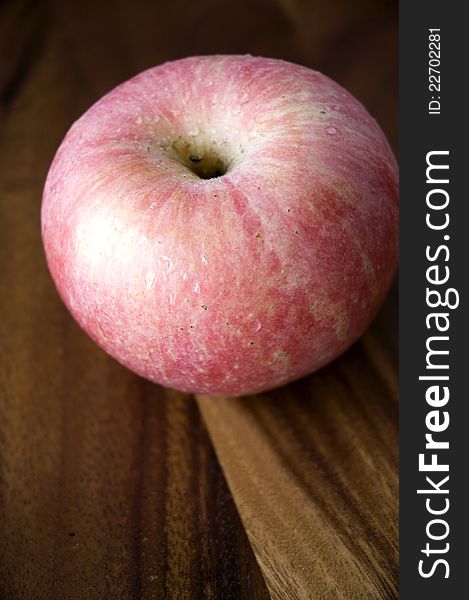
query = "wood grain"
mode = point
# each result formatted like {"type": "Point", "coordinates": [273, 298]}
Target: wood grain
{"type": "Point", "coordinates": [123, 498]}
{"type": "Point", "coordinates": [109, 486]}
{"type": "Point", "coordinates": [313, 469]}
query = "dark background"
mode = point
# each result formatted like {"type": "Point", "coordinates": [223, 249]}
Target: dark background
{"type": "Point", "coordinates": [421, 133]}
{"type": "Point", "coordinates": [109, 485]}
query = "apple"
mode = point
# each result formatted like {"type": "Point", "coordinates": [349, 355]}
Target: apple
{"type": "Point", "coordinates": [223, 224]}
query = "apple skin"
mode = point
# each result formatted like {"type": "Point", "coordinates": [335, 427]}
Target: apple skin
{"type": "Point", "coordinates": [237, 283]}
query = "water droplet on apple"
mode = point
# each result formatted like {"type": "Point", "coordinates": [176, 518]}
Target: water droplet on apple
{"type": "Point", "coordinates": [257, 325]}
{"type": "Point", "coordinates": [197, 287]}
{"type": "Point", "coordinates": [204, 259]}
{"type": "Point", "coordinates": [149, 280]}
{"type": "Point", "coordinates": [169, 266]}
{"type": "Point", "coordinates": [331, 130]}
{"type": "Point", "coordinates": [138, 120]}
{"type": "Point", "coordinates": [172, 298]}
{"type": "Point", "coordinates": [210, 83]}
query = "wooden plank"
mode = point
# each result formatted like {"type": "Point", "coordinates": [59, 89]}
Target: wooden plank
{"type": "Point", "coordinates": [313, 469]}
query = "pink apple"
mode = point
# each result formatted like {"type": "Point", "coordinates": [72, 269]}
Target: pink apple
{"type": "Point", "coordinates": [223, 224]}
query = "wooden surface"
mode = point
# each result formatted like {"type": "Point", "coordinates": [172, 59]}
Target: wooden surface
{"type": "Point", "coordinates": [313, 470]}
{"type": "Point", "coordinates": [110, 486]}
